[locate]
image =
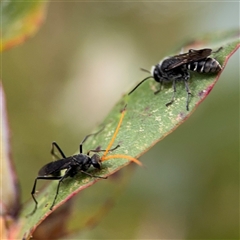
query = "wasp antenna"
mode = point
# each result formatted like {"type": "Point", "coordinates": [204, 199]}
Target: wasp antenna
{"type": "Point", "coordinates": [123, 156]}
{"type": "Point", "coordinates": [92, 134]}
{"type": "Point", "coordinates": [145, 70]}
{"type": "Point", "coordinates": [115, 134]}
{"type": "Point", "coordinates": [124, 109]}
{"type": "Point", "coordinates": [139, 84]}
{"type": "Point", "coordinates": [219, 49]}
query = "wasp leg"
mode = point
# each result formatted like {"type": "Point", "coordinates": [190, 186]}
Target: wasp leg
{"type": "Point", "coordinates": [92, 134]}
{"type": "Point", "coordinates": [188, 94]}
{"type": "Point", "coordinates": [91, 175]}
{"type": "Point", "coordinates": [173, 96]}
{"type": "Point", "coordinates": [55, 145]}
{"type": "Point", "coordinates": [160, 88]}
{"type": "Point", "coordinates": [61, 178]}
{"type": "Point", "coordinates": [34, 190]}
{"type": "Point", "coordinates": [102, 150]}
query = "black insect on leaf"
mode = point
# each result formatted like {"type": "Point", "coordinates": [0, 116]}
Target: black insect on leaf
{"type": "Point", "coordinates": [176, 68]}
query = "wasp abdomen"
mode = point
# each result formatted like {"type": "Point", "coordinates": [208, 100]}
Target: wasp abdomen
{"type": "Point", "coordinates": [205, 66]}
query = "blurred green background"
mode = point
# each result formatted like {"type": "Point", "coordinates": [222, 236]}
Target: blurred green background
{"type": "Point", "coordinates": [61, 84]}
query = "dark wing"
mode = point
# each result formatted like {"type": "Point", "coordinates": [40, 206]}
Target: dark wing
{"type": "Point", "coordinates": [191, 56]}
{"type": "Point", "coordinates": [53, 168]}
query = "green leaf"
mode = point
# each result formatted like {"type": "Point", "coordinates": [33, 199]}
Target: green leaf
{"type": "Point", "coordinates": [91, 206]}
{"type": "Point", "coordinates": [147, 121]}
{"type": "Point", "coordinates": [20, 20]}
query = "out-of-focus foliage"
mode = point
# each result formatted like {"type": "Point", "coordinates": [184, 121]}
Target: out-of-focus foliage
{"type": "Point", "coordinates": [20, 20]}
{"type": "Point", "coordinates": [80, 63]}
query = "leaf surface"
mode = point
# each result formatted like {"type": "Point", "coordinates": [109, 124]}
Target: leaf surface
{"type": "Point", "coordinates": [147, 121]}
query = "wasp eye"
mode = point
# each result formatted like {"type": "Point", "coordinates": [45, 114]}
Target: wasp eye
{"type": "Point", "coordinates": [96, 161]}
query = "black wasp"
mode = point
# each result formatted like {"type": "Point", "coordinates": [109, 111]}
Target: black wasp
{"type": "Point", "coordinates": [76, 163]}
{"type": "Point", "coordinates": [176, 68]}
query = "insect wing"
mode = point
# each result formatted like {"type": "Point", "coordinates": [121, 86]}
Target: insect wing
{"type": "Point", "coordinates": [53, 168]}
{"type": "Point", "coordinates": [191, 56]}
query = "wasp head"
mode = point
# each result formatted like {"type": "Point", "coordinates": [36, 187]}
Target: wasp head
{"type": "Point", "coordinates": [96, 161]}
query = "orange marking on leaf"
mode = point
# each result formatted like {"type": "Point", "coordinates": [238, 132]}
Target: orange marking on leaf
{"type": "Point", "coordinates": [105, 157]}
{"type": "Point", "coordinates": [115, 134]}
